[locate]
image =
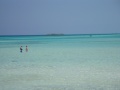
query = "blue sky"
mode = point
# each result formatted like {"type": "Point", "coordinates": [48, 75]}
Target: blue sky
{"type": "Point", "coordinates": [31, 17]}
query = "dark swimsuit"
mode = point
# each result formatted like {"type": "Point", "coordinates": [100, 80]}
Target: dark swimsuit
{"type": "Point", "coordinates": [20, 49]}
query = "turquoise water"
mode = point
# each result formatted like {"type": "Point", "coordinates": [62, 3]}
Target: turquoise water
{"type": "Point", "coordinates": [69, 62]}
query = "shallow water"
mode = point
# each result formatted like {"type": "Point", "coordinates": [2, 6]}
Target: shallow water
{"type": "Point", "coordinates": [70, 62]}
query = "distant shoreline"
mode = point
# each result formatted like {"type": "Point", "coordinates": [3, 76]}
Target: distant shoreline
{"type": "Point", "coordinates": [54, 34]}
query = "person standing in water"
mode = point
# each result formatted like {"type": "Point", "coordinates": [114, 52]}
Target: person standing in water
{"type": "Point", "coordinates": [21, 49]}
{"type": "Point", "coordinates": [26, 48]}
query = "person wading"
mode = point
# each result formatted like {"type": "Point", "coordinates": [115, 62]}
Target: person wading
{"type": "Point", "coordinates": [21, 49]}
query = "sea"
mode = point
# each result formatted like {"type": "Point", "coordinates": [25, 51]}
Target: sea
{"type": "Point", "coordinates": [60, 62]}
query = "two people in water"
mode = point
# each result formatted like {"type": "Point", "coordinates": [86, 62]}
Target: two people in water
{"type": "Point", "coordinates": [22, 49]}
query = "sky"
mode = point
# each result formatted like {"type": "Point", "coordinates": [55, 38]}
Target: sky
{"type": "Point", "coordinates": [38, 17]}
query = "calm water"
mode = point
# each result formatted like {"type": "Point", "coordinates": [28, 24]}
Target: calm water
{"type": "Point", "coordinates": [70, 62]}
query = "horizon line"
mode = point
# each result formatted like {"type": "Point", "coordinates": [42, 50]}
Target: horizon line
{"type": "Point", "coordinates": [59, 34]}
